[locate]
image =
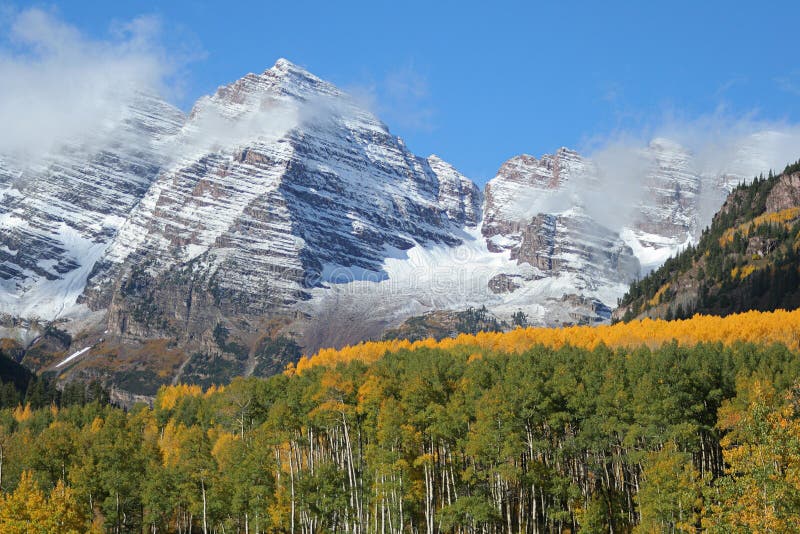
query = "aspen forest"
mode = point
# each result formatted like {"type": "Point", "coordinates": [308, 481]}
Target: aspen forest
{"type": "Point", "coordinates": [533, 431]}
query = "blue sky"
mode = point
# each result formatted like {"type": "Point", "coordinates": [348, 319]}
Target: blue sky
{"type": "Point", "coordinates": [477, 82]}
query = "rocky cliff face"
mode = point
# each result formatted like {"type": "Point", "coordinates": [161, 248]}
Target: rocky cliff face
{"type": "Point", "coordinates": [524, 188]}
{"type": "Point", "coordinates": [536, 212]}
{"type": "Point", "coordinates": [59, 215]}
{"type": "Point", "coordinates": [589, 229]}
{"type": "Point", "coordinates": [669, 204]}
{"type": "Point", "coordinates": [661, 208]}
{"type": "Point", "coordinates": [785, 194]}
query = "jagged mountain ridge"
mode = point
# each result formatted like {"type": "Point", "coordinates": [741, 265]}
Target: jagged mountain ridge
{"type": "Point", "coordinates": [533, 213]}
{"type": "Point", "coordinates": [280, 206]}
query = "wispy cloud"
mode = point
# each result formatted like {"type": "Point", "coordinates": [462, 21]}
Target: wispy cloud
{"type": "Point", "coordinates": [789, 83]}
{"type": "Point", "coordinates": [728, 85]}
{"type": "Point", "coordinates": [718, 147]}
{"type": "Point", "coordinates": [60, 86]}
{"type": "Point", "coordinates": [402, 97]}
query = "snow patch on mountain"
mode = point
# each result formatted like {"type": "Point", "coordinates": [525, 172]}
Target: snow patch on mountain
{"type": "Point", "coordinates": [49, 298]}
{"type": "Point", "coordinates": [73, 356]}
{"type": "Point", "coordinates": [652, 250]}
{"type": "Point", "coordinates": [440, 277]}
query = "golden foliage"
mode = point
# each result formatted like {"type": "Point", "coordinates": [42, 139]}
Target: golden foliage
{"type": "Point", "coordinates": [744, 272]}
{"type": "Point", "coordinates": [20, 508]}
{"type": "Point", "coordinates": [22, 414]}
{"type": "Point", "coordinates": [657, 297]}
{"type": "Point", "coordinates": [775, 217]}
{"type": "Point", "coordinates": [779, 326]}
{"type": "Point", "coordinates": [222, 444]}
{"type": "Point", "coordinates": [170, 443]}
{"type": "Point", "coordinates": [762, 451]}
{"type": "Point", "coordinates": [168, 396]}
{"type": "Point", "coordinates": [27, 509]}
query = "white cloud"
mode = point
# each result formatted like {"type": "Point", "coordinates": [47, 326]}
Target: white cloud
{"type": "Point", "coordinates": [614, 194]}
{"type": "Point", "coordinates": [721, 149]}
{"type": "Point", "coordinates": [213, 128]}
{"type": "Point", "coordinates": [60, 87]}
{"type": "Point", "coordinates": [744, 146]}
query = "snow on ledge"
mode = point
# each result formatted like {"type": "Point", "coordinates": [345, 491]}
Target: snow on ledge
{"type": "Point", "coordinates": [73, 356]}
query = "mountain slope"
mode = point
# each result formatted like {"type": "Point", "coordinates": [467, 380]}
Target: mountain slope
{"type": "Point", "coordinates": [59, 214]}
{"type": "Point", "coordinates": [746, 260]}
{"type": "Point", "coordinates": [532, 212]}
{"type": "Point", "coordinates": [245, 225]}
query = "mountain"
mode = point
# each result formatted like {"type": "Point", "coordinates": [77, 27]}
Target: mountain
{"type": "Point", "coordinates": [240, 228]}
{"type": "Point", "coordinates": [279, 217]}
{"type": "Point", "coordinates": [276, 185]}
{"type": "Point", "coordinates": [581, 243]}
{"type": "Point", "coordinates": [746, 260]}
{"type": "Point", "coordinates": [577, 230]}
{"type": "Point", "coordinates": [533, 213]}
{"type": "Point", "coordinates": [59, 215]}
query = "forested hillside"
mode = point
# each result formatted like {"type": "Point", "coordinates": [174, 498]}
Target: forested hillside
{"type": "Point", "coordinates": [21, 386]}
{"type": "Point", "coordinates": [746, 260]}
{"type": "Point", "coordinates": [622, 430]}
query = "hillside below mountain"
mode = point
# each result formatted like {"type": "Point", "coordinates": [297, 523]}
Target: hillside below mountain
{"type": "Point", "coordinates": [747, 259]}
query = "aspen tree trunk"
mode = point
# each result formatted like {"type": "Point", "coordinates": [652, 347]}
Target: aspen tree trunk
{"type": "Point", "coordinates": [205, 523]}
{"type": "Point", "coordinates": [355, 500]}
{"type": "Point", "coordinates": [401, 504]}
{"type": "Point", "coordinates": [311, 449]}
{"type": "Point", "coordinates": [452, 477]}
{"type": "Point", "coordinates": [291, 478]}
{"type": "Point", "coordinates": [383, 510]}
{"type": "Point", "coordinates": [389, 512]}
{"type": "Point", "coordinates": [508, 506]}
{"type": "Point", "coordinates": [448, 481]}
{"type": "Point", "coordinates": [428, 499]}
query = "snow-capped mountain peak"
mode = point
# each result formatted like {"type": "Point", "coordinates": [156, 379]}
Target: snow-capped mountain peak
{"type": "Point", "coordinates": [300, 188]}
